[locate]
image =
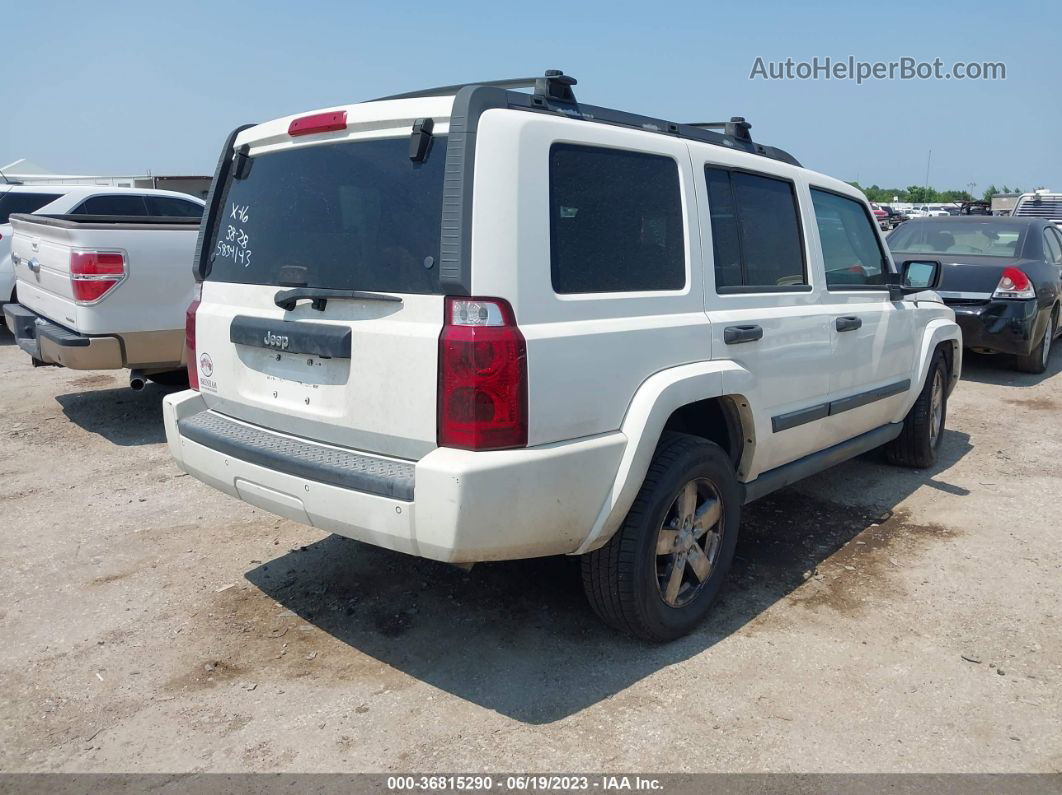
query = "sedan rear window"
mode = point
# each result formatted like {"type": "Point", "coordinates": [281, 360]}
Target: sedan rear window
{"type": "Point", "coordinates": [988, 239]}
{"type": "Point", "coordinates": [12, 202]}
{"type": "Point", "coordinates": [356, 215]}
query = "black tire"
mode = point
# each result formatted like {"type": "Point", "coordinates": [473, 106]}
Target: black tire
{"type": "Point", "coordinates": [918, 442]}
{"type": "Point", "coordinates": [170, 378]}
{"type": "Point", "coordinates": [1037, 360]}
{"type": "Point", "coordinates": [622, 579]}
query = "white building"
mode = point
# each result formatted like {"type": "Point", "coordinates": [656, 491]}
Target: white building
{"type": "Point", "coordinates": [27, 172]}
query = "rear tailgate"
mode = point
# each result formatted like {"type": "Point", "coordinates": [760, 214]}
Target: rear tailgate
{"type": "Point", "coordinates": [152, 296]}
{"type": "Point", "coordinates": [343, 211]}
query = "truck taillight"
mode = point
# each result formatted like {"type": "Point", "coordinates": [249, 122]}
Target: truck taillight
{"type": "Point", "coordinates": [1014, 284]}
{"type": "Point", "coordinates": [190, 360]}
{"type": "Point", "coordinates": [482, 376]}
{"type": "Point", "coordinates": [93, 274]}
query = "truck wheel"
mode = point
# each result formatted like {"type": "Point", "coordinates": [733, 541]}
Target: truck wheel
{"type": "Point", "coordinates": [658, 575]}
{"type": "Point", "coordinates": [1036, 361]}
{"type": "Point", "coordinates": [923, 427]}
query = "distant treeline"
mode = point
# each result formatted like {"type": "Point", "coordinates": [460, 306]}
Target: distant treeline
{"type": "Point", "coordinates": [919, 194]}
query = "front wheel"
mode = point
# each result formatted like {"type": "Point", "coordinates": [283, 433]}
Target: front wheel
{"type": "Point", "coordinates": [659, 574]}
{"type": "Point", "coordinates": [923, 427]}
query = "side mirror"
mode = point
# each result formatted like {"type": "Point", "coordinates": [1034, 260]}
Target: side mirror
{"type": "Point", "coordinates": [914, 277]}
{"type": "Point", "coordinates": [917, 275]}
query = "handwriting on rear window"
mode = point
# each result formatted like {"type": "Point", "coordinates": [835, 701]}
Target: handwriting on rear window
{"type": "Point", "coordinates": [236, 243]}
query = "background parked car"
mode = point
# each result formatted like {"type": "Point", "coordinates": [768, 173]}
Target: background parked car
{"type": "Point", "coordinates": [895, 217]}
{"type": "Point", "coordinates": [881, 217]}
{"type": "Point", "coordinates": [81, 200]}
{"type": "Point", "coordinates": [1000, 275]}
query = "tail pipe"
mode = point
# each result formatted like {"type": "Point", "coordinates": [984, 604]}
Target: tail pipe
{"type": "Point", "coordinates": [137, 380]}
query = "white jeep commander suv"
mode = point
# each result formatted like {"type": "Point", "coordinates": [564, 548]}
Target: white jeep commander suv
{"type": "Point", "coordinates": [475, 324]}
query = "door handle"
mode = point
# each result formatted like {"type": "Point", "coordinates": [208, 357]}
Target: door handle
{"type": "Point", "coordinates": [848, 323]}
{"type": "Point", "coordinates": [732, 335]}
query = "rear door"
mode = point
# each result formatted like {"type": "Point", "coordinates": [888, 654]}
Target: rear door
{"type": "Point", "coordinates": [765, 309]}
{"type": "Point", "coordinates": [356, 366]}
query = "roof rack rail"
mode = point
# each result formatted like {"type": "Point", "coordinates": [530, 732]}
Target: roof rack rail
{"type": "Point", "coordinates": [553, 85]}
{"type": "Point", "coordinates": [553, 92]}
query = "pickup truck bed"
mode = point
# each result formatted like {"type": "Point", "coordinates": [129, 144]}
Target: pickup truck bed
{"type": "Point", "coordinates": [138, 322]}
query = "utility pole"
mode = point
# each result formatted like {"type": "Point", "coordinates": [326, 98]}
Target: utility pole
{"type": "Point", "coordinates": [925, 189]}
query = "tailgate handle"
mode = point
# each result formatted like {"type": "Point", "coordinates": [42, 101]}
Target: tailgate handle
{"type": "Point", "coordinates": [732, 335]}
{"type": "Point", "coordinates": [288, 299]}
{"type": "Point", "coordinates": [848, 323]}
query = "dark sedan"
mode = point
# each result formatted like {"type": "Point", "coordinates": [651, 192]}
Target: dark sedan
{"type": "Point", "coordinates": [1002, 276]}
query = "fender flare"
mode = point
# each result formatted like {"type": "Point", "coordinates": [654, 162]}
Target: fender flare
{"type": "Point", "coordinates": [652, 405]}
{"type": "Point", "coordinates": [936, 332]}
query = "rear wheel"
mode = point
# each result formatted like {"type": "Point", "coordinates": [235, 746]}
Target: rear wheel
{"type": "Point", "coordinates": [923, 427]}
{"type": "Point", "coordinates": [1036, 361]}
{"type": "Point", "coordinates": [659, 574]}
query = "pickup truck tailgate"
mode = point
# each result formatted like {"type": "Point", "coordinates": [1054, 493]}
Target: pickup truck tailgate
{"type": "Point", "coordinates": [151, 296]}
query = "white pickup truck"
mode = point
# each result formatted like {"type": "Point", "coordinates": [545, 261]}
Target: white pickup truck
{"type": "Point", "coordinates": [477, 324]}
{"type": "Point", "coordinates": [103, 292]}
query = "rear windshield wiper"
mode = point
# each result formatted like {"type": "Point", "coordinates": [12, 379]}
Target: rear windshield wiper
{"type": "Point", "coordinates": [288, 299]}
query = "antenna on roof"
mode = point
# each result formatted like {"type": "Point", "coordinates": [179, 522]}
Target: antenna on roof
{"type": "Point", "coordinates": [737, 127]}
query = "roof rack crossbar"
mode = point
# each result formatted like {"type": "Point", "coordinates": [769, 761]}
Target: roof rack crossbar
{"type": "Point", "coordinates": [737, 127]}
{"type": "Point", "coordinates": [554, 85]}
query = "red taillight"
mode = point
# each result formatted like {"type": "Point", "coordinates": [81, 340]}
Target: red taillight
{"type": "Point", "coordinates": [318, 123]}
{"type": "Point", "coordinates": [93, 274]}
{"type": "Point", "coordinates": [1014, 284]}
{"type": "Point", "coordinates": [482, 376]}
{"type": "Point", "coordinates": [190, 359]}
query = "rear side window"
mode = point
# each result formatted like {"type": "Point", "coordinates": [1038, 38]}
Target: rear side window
{"type": "Point", "coordinates": [174, 208]}
{"type": "Point", "coordinates": [850, 248]}
{"type": "Point", "coordinates": [12, 202]}
{"type": "Point", "coordinates": [112, 205]}
{"type": "Point", "coordinates": [615, 221]}
{"type": "Point", "coordinates": [356, 215]}
{"type": "Point", "coordinates": [755, 232]}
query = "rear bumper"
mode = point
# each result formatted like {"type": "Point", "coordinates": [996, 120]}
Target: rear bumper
{"type": "Point", "coordinates": [49, 343]}
{"type": "Point", "coordinates": [1002, 326]}
{"type": "Point", "coordinates": [452, 505]}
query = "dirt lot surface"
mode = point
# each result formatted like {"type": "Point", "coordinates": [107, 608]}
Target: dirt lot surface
{"type": "Point", "coordinates": [878, 619]}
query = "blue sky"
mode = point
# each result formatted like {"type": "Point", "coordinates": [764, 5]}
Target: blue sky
{"type": "Point", "coordinates": [115, 87]}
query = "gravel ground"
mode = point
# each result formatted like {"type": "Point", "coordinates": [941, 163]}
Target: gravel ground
{"type": "Point", "coordinates": [877, 619]}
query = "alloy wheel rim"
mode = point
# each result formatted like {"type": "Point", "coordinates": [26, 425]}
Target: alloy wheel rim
{"type": "Point", "coordinates": [688, 542]}
{"type": "Point", "coordinates": [936, 408]}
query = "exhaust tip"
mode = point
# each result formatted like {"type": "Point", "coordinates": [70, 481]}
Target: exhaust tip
{"type": "Point", "coordinates": [137, 380]}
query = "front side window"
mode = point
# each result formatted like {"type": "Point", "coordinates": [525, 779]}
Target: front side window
{"type": "Point", "coordinates": [112, 205]}
{"type": "Point", "coordinates": [850, 248]}
{"type": "Point", "coordinates": [615, 221]}
{"type": "Point", "coordinates": [755, 232]}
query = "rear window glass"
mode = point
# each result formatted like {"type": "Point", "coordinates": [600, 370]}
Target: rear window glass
{"type": "Point", "coordinates": [356, 215]}
{"type": "Point", "coordinates": [615, 221]}
{"type": "Point", "coordinates": [988, 239]}
{"type": "Point", "coordinates": [112, 205]}
{"type": "Point", "coordinates": [12, 202]}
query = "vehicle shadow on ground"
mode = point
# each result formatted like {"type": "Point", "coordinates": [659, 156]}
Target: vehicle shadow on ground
{"type": "Point", "coordinates": [997, 369]}
{"type": "Point", "coordinates": [519, 637]}
{"type": "Point", "coordinates": [6, 337]}
{"type": "Point", "coordinates": [121, 416]}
